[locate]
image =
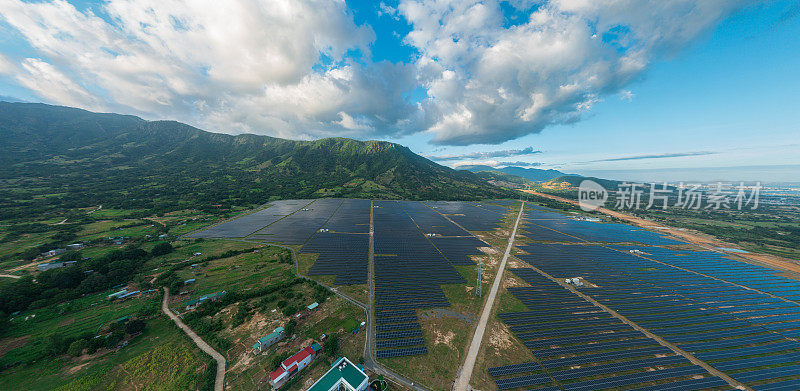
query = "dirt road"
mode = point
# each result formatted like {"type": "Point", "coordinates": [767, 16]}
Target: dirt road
{"type": "Point", "coordinates": [219, 383]}
{"type": "Point", "coordinates": [462, 382]}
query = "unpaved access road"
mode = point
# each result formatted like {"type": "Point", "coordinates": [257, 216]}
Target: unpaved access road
{"type": "Point", "coordinates": [219, 383]}
{"type": "Point", "coordinates": [462, 381]}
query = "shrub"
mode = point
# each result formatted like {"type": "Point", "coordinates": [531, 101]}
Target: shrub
{"type": "Point", "coordinates": [135, 326]}
{"type": "Point", "coordinates": [161, 248]}
{"type": "Point", "coordinates": [76, 348]}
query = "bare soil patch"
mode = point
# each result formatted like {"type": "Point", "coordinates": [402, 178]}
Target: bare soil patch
{"type": "Point", "coordinates": [12, 343]}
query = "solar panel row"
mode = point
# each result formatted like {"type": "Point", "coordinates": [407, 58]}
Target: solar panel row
{"type": "Point", "coordinates": [579, 346]}
{"type": "Point", "coordinates": [250, 223]}
{"type": "Point", "coordinates": [714, 319]}
{"type": "Point", "coordinates": [297, 227]}
{"type": "Point", "coordinates": [415, 249]}
{"type": "Point", "coordinates": [344, 255]}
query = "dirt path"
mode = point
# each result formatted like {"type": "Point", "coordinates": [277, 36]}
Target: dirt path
{"type": "Point", "coordinates": [219, 384]}
{"type": "Point", "coordinates": [9, 276]}
{"type": "Point", "coordinates": [464, 376]}
{"type": "Point", "coordinates": [705, 241]}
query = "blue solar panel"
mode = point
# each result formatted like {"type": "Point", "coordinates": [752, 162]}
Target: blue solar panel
{"type": "Point", "coordinates": [514, 369]}
{"type": "Point", "coordinates": [779, 386]}
{"type": "Point", "coordinates": [635, 378]}
{"type": "Point", "coordinates": [691, 384]}
{"type": "Point", "coordinates": [523, 381]}
{"type": "Point", "coordinates": [766, 374]}
{"type": "Point", "coordinates": [395, 343]}
{"type": "Point", "coordinates": [387, 353]}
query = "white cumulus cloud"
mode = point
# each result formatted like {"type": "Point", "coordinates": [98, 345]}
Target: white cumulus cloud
{"type": "Point", "coordinates": [278, 66]}
{"type": "Point", "coordinates": [303, 68]}
{"type": "Point", "coordinates": [488, 81]}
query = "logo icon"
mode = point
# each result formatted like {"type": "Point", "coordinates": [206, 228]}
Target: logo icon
{"type": "Point", "coordinates": [591, 195]}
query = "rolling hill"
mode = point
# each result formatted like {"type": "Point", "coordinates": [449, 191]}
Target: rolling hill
{"type": "Point", "coordinates": [60, 157]}
{"type": "Point", "coordinates": [531, 174]}
{"type": "Point", "coordinates": [575, 181]}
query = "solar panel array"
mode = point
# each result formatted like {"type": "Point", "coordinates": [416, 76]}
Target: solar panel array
{"type": "Point", "coordinates": [431, 222]}
{"type": "Point", "coordinates": [408, 273]}
{"type": "Point", "coordinates": [580, 347]}
{"type": "Point", "coordinates": [747, 334]}
{"type": "Point", "coordinates": [547, 224]}
{"type": "Point", "coordinates": [343, 255]}
{"type": "Point", "coordinates": [458, 250]}
{"type": "Point", "coordinates": [250, 223]}
{"type": "Point", "coordinates": [343, 244]}
{"type": "Point", "coordinates": [469, 215]}
{"type": "Point", "coordinates": [297, 227]}
{"type": "Point", "coordinates": [697, 300]}
{"type": "Point", "coordinates": [415, 249]}
{"type": "Point", "coordinates": [718, 266]}
{"type": "Point", "coordinates": [352, 216]}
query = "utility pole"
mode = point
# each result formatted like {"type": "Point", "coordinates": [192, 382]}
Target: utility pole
{"type": "Point", "coordinates": [478, 289]}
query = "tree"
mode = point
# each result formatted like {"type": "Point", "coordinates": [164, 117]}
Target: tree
{"type": "Point", "coordinates": [290, 326]}
{"type": "Point", "coordinates": [70, 256]}
{"type": "Point", "coordinates": [289, 310]}
{"type": "Point", "coordinates": [135, 326]}
{"type": "Point", "coordinates": [331, 345]}
{"type": "Point", "coordinates": [241, 315]}
{"type": "Point", "coordinates": [115, 338]}
{"type": "Point", "coordinates": [93, 283]}
{"type": "Point", "coordinates": [161, 248]}
{"type": "Point", "coordinates": [30, 254]}
{"type": "Point", "coordinates": [76, 347]}
{"type": "Point", "coordinates": [55, 344]}
{"type": "Point", "coordinates": [278, 359]}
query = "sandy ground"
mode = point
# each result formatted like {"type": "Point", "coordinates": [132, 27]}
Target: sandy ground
{"type": "Point", "coordinates": [693, 237]}
{"type": "Point", "coordinates": [500, 337]}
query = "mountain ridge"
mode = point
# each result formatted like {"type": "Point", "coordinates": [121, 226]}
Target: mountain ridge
{"type": "Point", "coordinates": [531, 174]}
{"type": "Point", "coordinates": [68, 150]}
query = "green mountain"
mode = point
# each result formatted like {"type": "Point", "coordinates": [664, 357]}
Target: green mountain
{"type": "Point", "coordinates": [60, 157]}
{"type": "Point", "coordinates": [499, 178]}
{"type": "Point", "coordinates": [531, 174]}
{"type": "Point", "coordinates": [575, 181]}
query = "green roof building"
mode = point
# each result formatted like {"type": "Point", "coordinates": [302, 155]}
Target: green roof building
{"type": "Point", "coordinates": [267, 341]}
{"type": "Point", "coordinates": [342, 375]}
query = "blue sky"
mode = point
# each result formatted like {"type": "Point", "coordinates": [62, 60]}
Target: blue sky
{"type": "Point", "coordinates": [643, 90]}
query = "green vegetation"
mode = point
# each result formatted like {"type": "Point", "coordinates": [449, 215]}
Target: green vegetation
{"type": "Point", "coordinates": [530, 174]}
{"type": "Point", "coordinates": [499, 178]}
{"type": "Point", "coordinates": [55, 158]}
{"type": "Point", "coordinates": [59, 285]}
{"type": "Point", "coordinates": [161, 355]}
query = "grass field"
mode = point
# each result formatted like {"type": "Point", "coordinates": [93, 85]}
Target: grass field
{"type": "Point", "coordinates": [160, 358]}
{"type": "Point", "coordinates": [244, 271]}
{"type": "Point", "coordinates": [71, 319]}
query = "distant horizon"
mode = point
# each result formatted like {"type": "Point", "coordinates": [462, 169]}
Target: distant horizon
{"type": "Point", "coordinates": [778, 174]}
{"type": "Point", "coordinates": [783, 175]}
{"type": "Point", "coordinates": [594, 87]}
